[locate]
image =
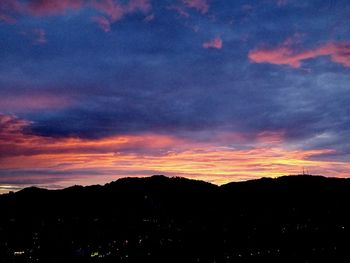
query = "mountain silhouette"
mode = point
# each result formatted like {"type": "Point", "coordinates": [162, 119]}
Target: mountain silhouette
{"type": "Point", "coordinates": [160, 219]}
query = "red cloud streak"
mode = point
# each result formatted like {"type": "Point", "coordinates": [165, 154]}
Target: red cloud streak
{"type": "Point", "coordinates": [339, 52]}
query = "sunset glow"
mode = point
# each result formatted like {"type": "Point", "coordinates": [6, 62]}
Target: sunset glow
{"type": "Point", "coordinates": [92, 91]}
{"type": "Point", "coordinates": [57, 162]}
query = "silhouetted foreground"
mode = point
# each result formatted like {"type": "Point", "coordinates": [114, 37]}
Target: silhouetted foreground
{"type": "Point", "coordinates": [159, 219]}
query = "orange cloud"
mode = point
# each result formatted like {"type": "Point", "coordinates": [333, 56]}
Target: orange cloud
{"type": "Point", "coordinates": [284, 54]}
{"type": "Point", "coordinates": [213, 43]}
{"type": "Point", "coordinates": [87, 161]}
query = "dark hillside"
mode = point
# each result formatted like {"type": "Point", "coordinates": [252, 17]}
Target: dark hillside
{"type": "Point", "coordinates": [160, 219]}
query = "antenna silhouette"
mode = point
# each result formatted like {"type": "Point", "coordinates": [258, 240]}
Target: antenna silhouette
{"type": "Point", "coordinates": [305, 171]}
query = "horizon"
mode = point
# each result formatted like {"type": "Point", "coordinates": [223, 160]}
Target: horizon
{"type": "Point", "coordinates": [92, 91]}
{"type": "Point", "coordinates": [4, 191]}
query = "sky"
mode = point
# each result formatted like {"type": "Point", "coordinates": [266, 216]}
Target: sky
{"type": "Point", "coordinates": [95, 90]}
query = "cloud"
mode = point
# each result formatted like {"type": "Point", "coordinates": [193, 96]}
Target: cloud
{"type": "Point", "coordinates": [28, 157]}
{"type": "Point", "coordinates": [114, 10]}
{"type": "Point", "coordinates": [200, 5]}
{"type": "Point", "coordinates": [7, 19]}
{"type": "Point", "coordinates": [10, 5]}
{"type": "Point", "coordinates": [33, 102]}
{"type": "Point", "coordinates": [40, 36]}
{"type": "Point", "coordinates": [213, 43]}
{"type": "Point", "coordinates": [282, 2]}
{"type": "Point", "coordinates": [285, 54]}
{"type": "Point", "coordinates": [11, 125]}
{"type": "Point", "coordinates": [102, 22]}
{"type": "Point", "coordinates": [7, 8]}
{"type": "Point", "coordinates": [36, 35]}
{"type": "Point", "coordinates": [40, 7]}
{"type": "Point", "coordinates": [180, 10]}
{"type": "Point", "coordinates": [149, 18]}
{"type": "Point", "coordinates": [51, 7]}
{"type": "Point", "coordinates": [110, 8]}
{"type": "Point", "coordinates": [138, 5]}
{"type": "Point", "coordinates": [151, 79]}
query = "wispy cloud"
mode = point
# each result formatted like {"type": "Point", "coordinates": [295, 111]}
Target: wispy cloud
{"type": "Point", "coordinates": [50, 7]}
{"type": "Point", "coordinates": [113, 10]}
{"type": "Point", "coordinates": [116, 11]}
{"type": "Point", "coordinates": [149, 18]}
{"type": "Point", "coordinates": [213, 43]}
{"type": "Point", "coordinates": [201, 5]}
{"type": "Point", "coordinates": [102, 22]}
{"type": "Point", "coordinates": [40, 36]}
{"type": "Point", "coordinates": [33, 102]}
{"type": "Point", "coordinates": [282, 2]}
{"type": "Point", "coordinates": [286, 54]}
{"type": "Point", "coordinates": [180, 10]}
{"type": "Point", "coordinates": [7, 19]}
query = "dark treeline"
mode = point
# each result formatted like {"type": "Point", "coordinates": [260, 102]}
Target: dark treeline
{"type": "Point", "coordinates": [159, 219]}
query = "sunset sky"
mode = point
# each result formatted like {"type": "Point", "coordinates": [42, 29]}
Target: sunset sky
{"type": "Point", "coordinates": [217, 90]}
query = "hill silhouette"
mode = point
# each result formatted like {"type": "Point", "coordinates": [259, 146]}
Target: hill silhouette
{"type": "Point", "coordinates": [160, 219]}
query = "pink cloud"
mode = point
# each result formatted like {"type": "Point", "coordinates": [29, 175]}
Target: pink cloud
{"type": "Point", "coordinates": [285, 54]}
{"type": "Point", "coordinates": [37, 36]}
{"type": "Point", "coordinates": [40, 36]}
{"type": "Point", "coordinates": [113, 10]}
{"type": "Point", "coordinates": [149, 18]}
{"type": "Point", "coordinates": [7, 19]}
{"type": "Point", "coordinates": [10, 5]}
{"type": "Point", "coordinates": [10, 124]}
{"type": "Point", "coordinates": [143, 6]}
{"type": "Point", "coordinates": [201, 5]}
{"type": "Point", "coordinates": [32, 102]}
{"type": "Point", "coordinates": [102, 22]}
{"type": "Point", "coordinates": [282, 2]}
{"type": "Point", "coordinates": [180, 10]}
{"type": "Point", "coordinates": [213, 43]}
{"type": "Point", "coordinates": [7, 10]}
{"type": "Point", "coordinates": [116, 11]}
{"type": "Point", "coordinates": [52, 7]}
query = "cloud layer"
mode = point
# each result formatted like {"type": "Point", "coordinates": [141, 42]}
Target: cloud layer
{"type": "Point", "coordinates": [96, 89]}
{"type": "Point", "coordinates": [26, 158]}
